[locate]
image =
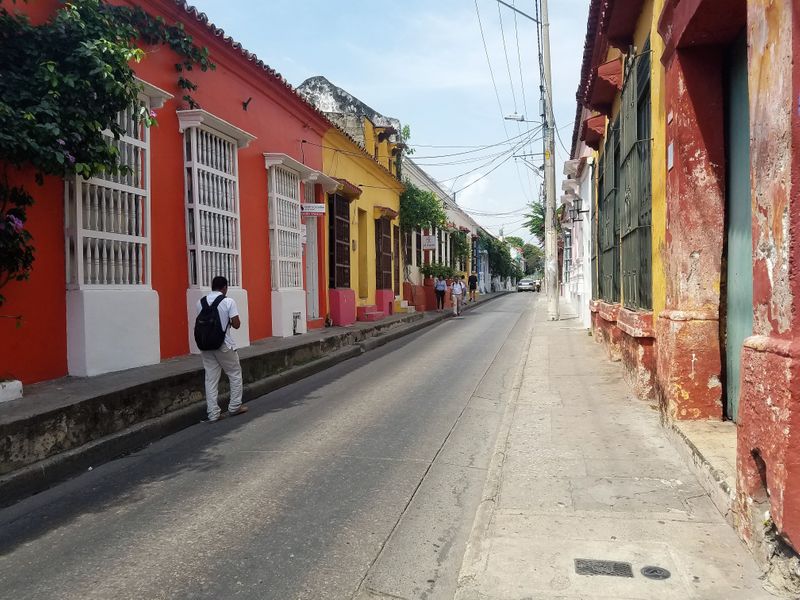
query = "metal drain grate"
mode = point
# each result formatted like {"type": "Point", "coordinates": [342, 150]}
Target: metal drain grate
{"type": "Point", "coordinates": [655, 572]}
{"type": "Point", "coordinates": [589, 566]}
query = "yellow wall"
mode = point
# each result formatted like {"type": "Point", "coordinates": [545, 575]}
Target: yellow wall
{"type": "Point", "coordinates": [343, 159]}
{"type": "Point", "coordinates": [648, 26]}
{"type": "Point", "coordinates": [659, 160]}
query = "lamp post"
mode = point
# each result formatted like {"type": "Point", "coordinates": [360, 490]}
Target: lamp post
{"type": "Point", "coordinates": [550, 242]}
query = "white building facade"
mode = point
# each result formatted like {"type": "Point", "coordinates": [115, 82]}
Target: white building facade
{"type": "Point", "coordinates": [458, 220]}
{"type": "Point", "coordinates": [577, 274]}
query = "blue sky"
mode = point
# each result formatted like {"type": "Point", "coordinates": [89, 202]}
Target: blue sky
{"type": "Point", "coordinates": [424, 63]}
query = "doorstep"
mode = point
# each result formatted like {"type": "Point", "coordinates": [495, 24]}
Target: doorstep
{"type": "Point", "coordinates": [709, 449]}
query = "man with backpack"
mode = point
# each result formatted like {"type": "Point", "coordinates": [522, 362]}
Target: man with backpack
{"type": "Point", "coordinates": [216, 314]}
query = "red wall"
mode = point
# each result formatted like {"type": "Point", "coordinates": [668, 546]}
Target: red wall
{"type": "Point", "coordinates": [277, 118]}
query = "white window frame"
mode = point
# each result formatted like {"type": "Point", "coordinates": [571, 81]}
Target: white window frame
{"type": "Point", "coordinates": [213, 230]}
{"type": "Point", "coordinates": [285, 218]}
{"type": "Point", "coordinates": [107, 217]}
{"type": "Point", "coordinates": [285, 231]}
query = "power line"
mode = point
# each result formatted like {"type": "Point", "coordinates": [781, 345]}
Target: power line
{"type": "Point", "coordinates": [528, 176]}
{"type": "Point", "coordinates": [510, 152]}
{"type": "Point", "coordinates": [484, 175]}
{"type": "Point", "coordinates": [476, 148]}
{"type": "Point", "coordinates": [508, 63]}
{"type": "Point", "coordinates": [489, 62]}
{"type": "Point", "coordinates": [490, 214]}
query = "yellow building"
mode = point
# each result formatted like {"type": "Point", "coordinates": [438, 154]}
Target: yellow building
{"type": "Point", "coordinates": [622, 93]}
{"type": "Point", "coordinates": [365, 262]}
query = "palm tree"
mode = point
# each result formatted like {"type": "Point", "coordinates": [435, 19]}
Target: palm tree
{"type": "Point", "coordinates": [535, 220]}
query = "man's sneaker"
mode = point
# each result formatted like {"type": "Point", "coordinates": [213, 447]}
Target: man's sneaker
{"type": "Point", "coordinates": [238, 411]}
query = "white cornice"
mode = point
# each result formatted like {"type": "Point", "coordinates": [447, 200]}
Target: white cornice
{"type": "Point", "coordinates": [305, 172]}
{"type": "Point", "coordinates": [197, 116]}
{"type": "Point", "coordinates": [329, 184]}
{"type": "Point", "coordinates": [157, 96]}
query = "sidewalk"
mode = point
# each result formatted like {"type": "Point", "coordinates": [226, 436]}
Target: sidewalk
{"type": "Point", "coordinates": [583, 470]}
{"type": "Point", "coordinates": [64, 426]}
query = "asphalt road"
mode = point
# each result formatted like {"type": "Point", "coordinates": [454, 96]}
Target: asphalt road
{"type": "Point", "coordinates": [359, 482]}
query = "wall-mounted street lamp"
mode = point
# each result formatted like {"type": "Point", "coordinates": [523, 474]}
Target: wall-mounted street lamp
{"type": "Point", "coordinates": [575, 212]}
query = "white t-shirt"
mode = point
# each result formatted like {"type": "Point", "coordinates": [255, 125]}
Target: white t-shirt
{"type": "Point", "coordinates": [458, 288]}
{"type": "Point", "coordinates": [227, 310]}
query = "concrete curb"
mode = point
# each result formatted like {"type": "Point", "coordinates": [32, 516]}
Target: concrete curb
{"type": "Point", "coordinates": [474, 555]}
{"type": "Point", "coordinates": [39, 476]}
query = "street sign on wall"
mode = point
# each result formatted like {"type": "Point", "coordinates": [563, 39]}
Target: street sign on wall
{"type": "Point", "coordinates": [429, 242]}
{"type": "Point", "coordinates": [312, 210]}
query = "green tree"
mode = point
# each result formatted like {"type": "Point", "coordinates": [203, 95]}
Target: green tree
{"type": "Point", "coordinates": [63, 82]}
{"type": "Point", "coordinates": [534, 259]}
{"type": "Point", "coordinates": [515, 241]}
{"type": "Point", "coordinates": [535, 220]}
{"type": "Point", "coordinates": [500, 262]}
{"type": "Point", "coordinates": [420, 209]}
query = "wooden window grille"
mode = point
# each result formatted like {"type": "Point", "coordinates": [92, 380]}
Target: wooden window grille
{"type": "Point", "coordinates": [418, 239]}
{"type": "Point", "coordinates": [635, 190]}
{"type": "Point", "coordinates": [339, 241]}
{"type": "Point", "coordinates": [596, 273]}
{"type": "Point", "coordinates": [407, 258]}
{"type": "Point", "coordinates": [608, 224]}
{"type": "Point", "coordinates": [107, 217]}
{"type": "Point", "coordinates": [212, 206]}
{"type": "Point", "coordinates": [396, 255]}
{"type": "Point", "coordinates": [567, 254]}
{"type": "Point", "coordinates": [285, 244]}
{"type": "Point", "coordinates": [383, 254]}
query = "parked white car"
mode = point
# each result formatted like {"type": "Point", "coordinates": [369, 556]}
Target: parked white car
{"type": "Point", "coordinates": [526, 285]}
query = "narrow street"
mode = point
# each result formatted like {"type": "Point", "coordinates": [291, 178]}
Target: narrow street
{"type": "Point", "coordinates": [362, 479]}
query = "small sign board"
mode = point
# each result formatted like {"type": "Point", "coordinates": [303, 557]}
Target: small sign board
{"type": "Point", "coordinates": [429, 242]}
{"type": "Point", "coordinates": [312, 210]}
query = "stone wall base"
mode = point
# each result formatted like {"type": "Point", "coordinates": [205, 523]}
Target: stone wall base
{"type": "Point", "coordinates": [688, 365]}
{"type": "Point", "coordinates": [628, 337]}
{"type": "Point", "coordinates": [768, 440]}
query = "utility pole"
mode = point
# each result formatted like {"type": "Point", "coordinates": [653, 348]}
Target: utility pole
{"type": "Point", "coordinates": [549, 127]}
{"type": "Point", "coordinates": [550, 240]}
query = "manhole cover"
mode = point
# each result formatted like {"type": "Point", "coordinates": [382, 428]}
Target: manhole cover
{"type": "Point", "coordinates": [588, 566]}
{"type": "Point", "coordinates": [655, 573]}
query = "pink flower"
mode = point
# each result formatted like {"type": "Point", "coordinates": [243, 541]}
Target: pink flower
{"type": "Point", "coordinates": [16, 224]}
{"type": "Point", "coordinates": [152, 114]}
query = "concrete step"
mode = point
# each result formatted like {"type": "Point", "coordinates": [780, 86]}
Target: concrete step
{"type": "Point", "coordinates": [362, 310]}
{"type": "Point", "coordinates": [371, 316]}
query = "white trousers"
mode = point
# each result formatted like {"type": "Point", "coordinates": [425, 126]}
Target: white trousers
{"type": "Point", "coordinates": [214, 362]}
{"type": "Point", "coordinates": [458, 302]}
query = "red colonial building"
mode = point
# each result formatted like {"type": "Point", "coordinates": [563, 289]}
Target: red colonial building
{"type": "Point", "coordinates": [217, 190]}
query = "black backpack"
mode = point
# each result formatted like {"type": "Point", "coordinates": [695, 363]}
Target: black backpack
{"type": "Point", "coordinates": [208, 331]}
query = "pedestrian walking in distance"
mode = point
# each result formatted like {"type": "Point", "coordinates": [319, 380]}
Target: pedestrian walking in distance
{"type": "Point", "coordinates": [473, 286]}
{"type": "Point", "coordinates": [440, 288]}
{"type": "Point", "coordinates": [458, 290]}
{"type": "Point", "coordinates": [216, 314]}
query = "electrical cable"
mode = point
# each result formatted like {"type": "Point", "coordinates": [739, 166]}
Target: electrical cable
{"type": "Point", "coordinates": [510, 154]}
{"type": "Point", "coordinates": [477, 148]}
{"type": "Point", "coordinates": [508, 63]}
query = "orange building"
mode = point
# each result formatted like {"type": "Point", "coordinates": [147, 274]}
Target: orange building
{"type": "Point", "coordinates": [121, 261]}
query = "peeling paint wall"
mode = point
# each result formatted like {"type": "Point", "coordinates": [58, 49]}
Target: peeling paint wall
{"type": "Point", "coordinates": [774, 110]}
{"type": "Point", "coordinates": [768, 445]}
